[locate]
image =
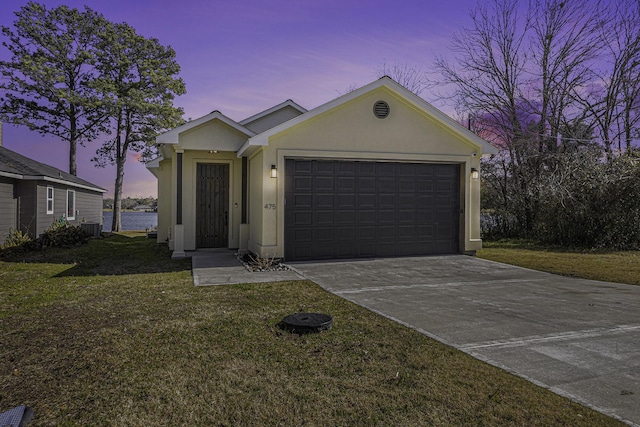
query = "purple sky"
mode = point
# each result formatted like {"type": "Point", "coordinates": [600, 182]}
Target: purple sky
{"type": "Point", "coordinates": [242, 57]}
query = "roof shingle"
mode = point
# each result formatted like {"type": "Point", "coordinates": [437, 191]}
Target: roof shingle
{"type": "Point", "coordinates": [17, 164]}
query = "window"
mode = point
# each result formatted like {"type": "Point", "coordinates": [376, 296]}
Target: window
{"type": "Point", "coordinates": [49, 200]}
{"type": "Point", "coordinates": [71, 204]}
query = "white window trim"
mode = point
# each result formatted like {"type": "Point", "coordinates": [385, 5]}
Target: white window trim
{"type": "Point", "coordinates": [50, 199]}
{"type": "Point", "coordinates": [71, 216]}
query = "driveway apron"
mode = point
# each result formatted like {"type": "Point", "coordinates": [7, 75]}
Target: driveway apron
{"type": "Point", "coordinates": [579, 338]}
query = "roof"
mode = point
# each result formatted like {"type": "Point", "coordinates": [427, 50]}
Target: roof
{"type": "Point", "coordinates": [262, 139]}
{"type": "Point", "coordinates": [17, 166]}
{"type": "Point", "coordinates": [256, 140]}
{"type": "Point", "coordinates": [171, 137]}
{"type": "Point", "coordinates": [287, 103]}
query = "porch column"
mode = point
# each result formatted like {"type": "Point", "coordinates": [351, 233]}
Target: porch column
{"type": "Point", "coordinates": [179, 188]}
{"type": "Point", "coordinates": [244, 190]}
{"type": "Point", "coordinates": [244, 226]}
{"type": "Point", "coordinates": [178, 234]}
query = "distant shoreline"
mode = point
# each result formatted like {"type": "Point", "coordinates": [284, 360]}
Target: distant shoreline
{"type": "Point", "coordinates": [130, 210]}
{"type": "Point", "coordinates": [131, 220]}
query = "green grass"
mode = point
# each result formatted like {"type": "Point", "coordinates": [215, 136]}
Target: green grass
{"type": "Point", "coordinates": [115, 333]}
{"type": "Point", "coordinates": [620, 267]}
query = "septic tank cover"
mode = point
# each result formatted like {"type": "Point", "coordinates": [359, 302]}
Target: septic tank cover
{"type": "Point", "coordinates": [306, 323]}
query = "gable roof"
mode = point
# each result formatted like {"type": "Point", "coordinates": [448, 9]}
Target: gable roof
{"type": "Point", "coordinates": [17, 166]}
{"type": "Point", "coordinates": [287, 103]}
{"type": "Point", "coordinates": [172, 136]}
{"type": "Point", "coordinates": [262, 139]}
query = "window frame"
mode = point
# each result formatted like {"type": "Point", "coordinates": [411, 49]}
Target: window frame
{"type": "Point", "coordinates": [71, 213]}
{"type": "Point", "coordinates": [50, 199]}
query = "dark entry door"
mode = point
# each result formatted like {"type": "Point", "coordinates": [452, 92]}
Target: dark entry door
{"type": "Point", "coordinates": [351, 209]}
{"type": "Point", "coordinates": [212, 205]}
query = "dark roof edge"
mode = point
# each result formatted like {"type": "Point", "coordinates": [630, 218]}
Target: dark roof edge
{"type": "Point", "coordinates": [25, 168]}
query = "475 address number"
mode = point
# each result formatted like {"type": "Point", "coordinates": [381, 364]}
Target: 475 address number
{"type": "Point", "coordinates": [270, 206]}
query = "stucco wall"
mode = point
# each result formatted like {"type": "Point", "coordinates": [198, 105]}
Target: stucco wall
{"type": "Point", "coordinates": [352, 127]}
{"type": "Point", "coordinates": [352, 131]}
{"type": "Point", "coordinates": [213, 135]}
{"type": "Point", "coordinates": [255, 197]}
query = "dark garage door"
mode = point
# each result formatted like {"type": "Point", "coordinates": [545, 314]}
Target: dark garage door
{"type": "Point", "coordinates": [349, 209]}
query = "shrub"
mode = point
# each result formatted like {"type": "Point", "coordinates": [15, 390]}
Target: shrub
{"type": "Point", "coordinates": [257, 263]}
{"type": "Point", "coordinates": [62, 234]}
{"type": "Point", "coordinates": [17, 242]}
{"type": "Point", "coordinates": [576, 198]}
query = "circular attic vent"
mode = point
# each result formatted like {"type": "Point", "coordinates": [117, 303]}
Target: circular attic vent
{"type": "Point", "coordinates": [381, 109]}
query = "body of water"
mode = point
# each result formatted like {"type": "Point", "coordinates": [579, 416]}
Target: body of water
{"type": "Point", "coordinates": [131, 220]}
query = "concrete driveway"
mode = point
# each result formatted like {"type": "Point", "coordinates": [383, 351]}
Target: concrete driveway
{"type": "Point", "coordinates": [579, 338]}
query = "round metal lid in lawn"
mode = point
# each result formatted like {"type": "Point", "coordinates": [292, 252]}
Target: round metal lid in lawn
{"type": "Point", "coordinates": [306, 323]}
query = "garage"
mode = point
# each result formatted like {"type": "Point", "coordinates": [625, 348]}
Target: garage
{"type": "Point", "coordinates": [361, 209]}
{"type": "Point", "coordinates": [376, 172]}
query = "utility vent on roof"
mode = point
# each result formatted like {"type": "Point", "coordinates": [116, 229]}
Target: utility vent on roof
{"type": "Point", "coordinates": [381, 109]}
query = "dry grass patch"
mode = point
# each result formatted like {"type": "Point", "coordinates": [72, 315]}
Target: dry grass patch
{"type": "Point", "coordinates": [152, 349]}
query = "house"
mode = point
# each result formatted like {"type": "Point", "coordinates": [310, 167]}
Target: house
{"type": "Point", "coordinates": [143, 208]}
{"type": "Point", "coordinates": [33, 195]}
{"type": "Point", "coordinates": [376, 172]}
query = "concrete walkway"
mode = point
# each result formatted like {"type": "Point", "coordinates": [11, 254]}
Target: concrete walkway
{"type": "Point", "coordinates": [577, 337]}
{"type": "Point", "coordinates": [223, 268]}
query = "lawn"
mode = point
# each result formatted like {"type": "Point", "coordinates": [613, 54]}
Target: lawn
{"type": "Point", "coordinates": [115, 333]}
{"type": "Point", "coordinates": [620, 267]}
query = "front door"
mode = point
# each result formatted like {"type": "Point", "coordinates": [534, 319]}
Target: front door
{"type": "Point", "coordinates": [212, 205]}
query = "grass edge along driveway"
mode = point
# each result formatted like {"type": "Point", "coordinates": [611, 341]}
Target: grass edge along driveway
{"type": "Point", "coordinates": [115, 333]}
{"type": "Point", "coordinates": [619, 267]}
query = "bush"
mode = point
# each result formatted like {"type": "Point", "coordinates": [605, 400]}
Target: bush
{"type": "Point", "coordinates": [61, 234]}
{"type": "Point", "coordinates": [17, 242]}
{"type": "Point", "coordinates": [574, 199]}
{"type": "Point", "coordinates": [597, 207]}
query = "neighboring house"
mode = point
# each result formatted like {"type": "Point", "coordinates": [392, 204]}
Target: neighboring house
{"type": "Point", "coordinates": [376, 172]}
{"type": "Point", "coordinates": [33, 195]}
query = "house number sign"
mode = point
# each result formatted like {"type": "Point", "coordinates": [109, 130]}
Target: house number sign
{"type": "Point", "coordinates": [270, 206]}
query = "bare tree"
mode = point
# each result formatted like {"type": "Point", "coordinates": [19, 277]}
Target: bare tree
{"type": "Point", "coordinates": [409, 76]}
{"type": "Point", "coordinates": [564, 42]}
{"type": "Point", "coordinates": [612, 98]}
{"type": "Point", "coordinates": [488, 69]}
{"type": "Point", "coordinates": [489, 77]}
{"type": "Point", "coordinates": [539, 80]}
{"type": "Point", "coordinates": [625, 51]}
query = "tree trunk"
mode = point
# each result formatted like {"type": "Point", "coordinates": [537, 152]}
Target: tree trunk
{"type": "Point", "coordinates": [73, 147]}
{"type": "Point", "coordinates": [627, 128]}
{"type": "Point", "coordinates": [116, 224]}
{"type": "Point", "coordinates": [73, 142]}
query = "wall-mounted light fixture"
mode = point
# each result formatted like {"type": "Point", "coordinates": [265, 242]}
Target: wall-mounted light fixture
{"type": "Point", "coordinates": [274, 172]}
{"type": "Point", "coordinates": [475, 174]}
